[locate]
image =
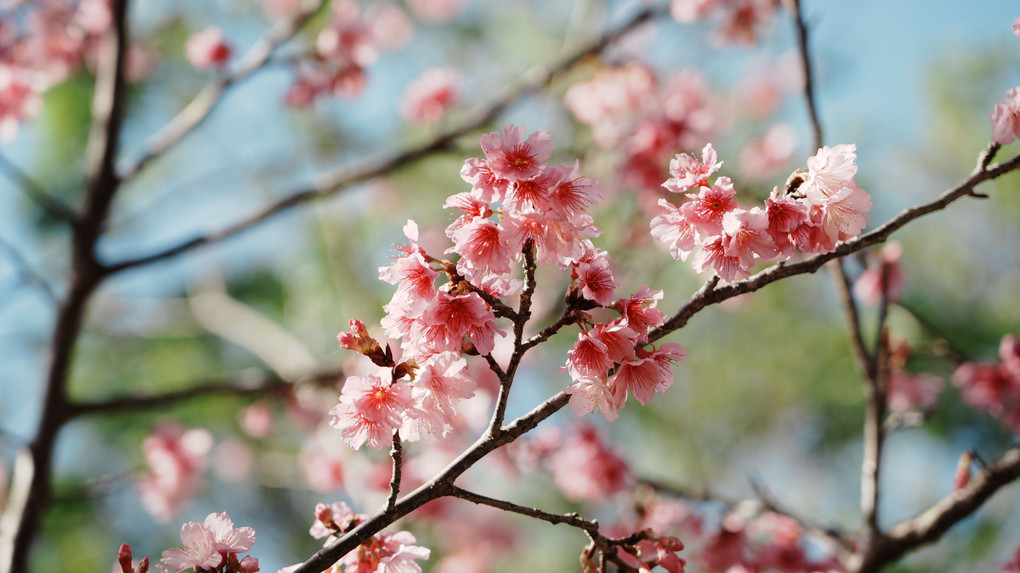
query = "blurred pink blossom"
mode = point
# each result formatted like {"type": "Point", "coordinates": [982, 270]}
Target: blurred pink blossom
{"type": "Point", "coordinates": [869, 285]}
{"type": "Point", "coordinates": [176, 458]}
{"type": "Point", "coordinates": [765, 157]}
{"type": "Point", "coordinates": [208, 49]}
{"type": "Point", "coordinates": [428, 97]}
{"type": "Point", "coordinates": [437, 11]}
{"type": "Point", "coordinates": [1006, 118]}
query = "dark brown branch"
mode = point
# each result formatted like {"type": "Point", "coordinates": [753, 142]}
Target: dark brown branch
{"type": "Point", "coordinates": [396, 453]}
{"type": "Point", "coordinates": [209, 98]}
{"type": "Point", "coordinates": [933, 523]}
{"type": "Point", "coordinates": [340, 178]}
{"type": "Point", "coordinates": [522, 316]}
{"type": "Point", "coordinates": [34, 191]}
{"type": "Point", "coordinates": [265, 384]}
{"type": "Point", "coordinates": [439, 486]}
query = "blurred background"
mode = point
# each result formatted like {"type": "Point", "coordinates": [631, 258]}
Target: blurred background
{"type": "Point", "coordinates": [768, 395]}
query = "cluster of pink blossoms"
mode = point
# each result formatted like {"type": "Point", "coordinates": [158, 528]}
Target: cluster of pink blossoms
{"type": "Point", "coordinates": [768, 542]}
{"type": "Point", "coordinates": [177, 459]}
{"type": "Point", "coordinates": [346, 47]}
{"type": "Point", "coordinates": [819, 207]}
{"type": "Point", "coordinates": [384, 552]}
{"type": "Point", "coordinates": [518, 206]}
{"type": "Point", "coordinates": [40, 50]}
{"type": "Point", "coordinates": [209, 547]}
{"type": "Point", "coordinates": [994, 386]}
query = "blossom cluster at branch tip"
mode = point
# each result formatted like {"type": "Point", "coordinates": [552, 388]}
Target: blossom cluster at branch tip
{"type": "Point", "coordinates": [820, 206]}
{"type": "Point", "coordinates": [519, 207]}
{"type": "Point", "coordinates": [384, 552]}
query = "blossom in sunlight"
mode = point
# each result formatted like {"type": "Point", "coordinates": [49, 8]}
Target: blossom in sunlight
{"type": "Point", "coordinates": [689, 173]}
{"type": "Point", "coordinates": [370, 410]}
{"type": "Point", "coordinates": [512, 156]}
{"type": "Point", "coordinates": [208, 49]}
{"type": "Point", "coordinates": [208, 545]}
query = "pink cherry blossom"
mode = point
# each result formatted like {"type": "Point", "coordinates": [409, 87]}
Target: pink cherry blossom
{"type": "Point", "coordinates": [595, 277]}
{"type": "Point", "coordinates": [709, 205]}
{"type": "Point", "coordinates": [1006, 118]}
{"type": "Point", "coordinates": [672, 228]}
{"type": "Point", "coordinates": [714, 256]}
{"type": "Point", "coordinates": [483, 247]}
{"type": "Point", "coordinates": [689, 173]}
{"type": "Point", "coordinates": [369, 410]}
{"type": "Point", "coordinates": [787, 216]}
{"type": "Point", "coordinates": [176, 458]}
{"type": "Point", "coordinates": [389, 26]}
{"type": "Point", "coordinates": [208, 49]}
{"type": "Point", "coordinates": [20, 99]}
{"type": "Point", "coordinates": [450, 318]}
{"type": "Point", "coordinates": [650, 372]}
{"type": "Point", "coordinates": [485, 184]}
{"type": "Point", "coordinates": [908, 391]}
{"type": "Point", "coordinates": [607, 101]}
{"type": "Point", "coordinates": [386, 553]}
{"type": "Point", "coordinates": [884, 267]}
{"type": "Point", "coordinates": [746, 236]}
{"type": "Point", "coordinates": [228, 539]}
{"type": "Point", "coordinates": [586, 468]}
{"type": "Point", "coordinates": [511, 156]}
{"type": "Point", "coordinates": [639, 312]}
{"type": "Point", "coordinates": [200, 549]}
{"type": "Point", "coordinates": [430, 96]}
{"type": "Point", "coordinates": [589, 357]}
{"type": "Point", "coordinates": [1016, 27]}
{"type": "Point", "coordinates": [588, 394]}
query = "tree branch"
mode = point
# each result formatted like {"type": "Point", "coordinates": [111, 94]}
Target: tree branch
{"type": "Point", "coordinates": [396, 452]}
{"type": "Point", "coordinates": [571, 519]}
{"type": "Point", "coordinates": [334, 181]}
{"type": "Point", "coordinates": [265, 384]}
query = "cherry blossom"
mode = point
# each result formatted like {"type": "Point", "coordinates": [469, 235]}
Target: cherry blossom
{"type": "Point", "coordinates": [208, 49]}
{"type": "Point", "coordinates": [1006, 118]}
{"type": "Point", "coordinates": [199, 549]}
{"type": "Point", "coordinates": [689, 173]}
{"type": "Point", "coordinates": [511, 156]}
{"type": "Point", "coordinates": [369, 410]}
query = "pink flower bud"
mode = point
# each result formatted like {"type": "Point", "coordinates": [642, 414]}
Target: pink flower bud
{"type": "Point", "coordinates": [358, 338]}
{"type": "Point", "coordinates": [143, 565]}
{"type": "Point", "coordinates": [249, 564]}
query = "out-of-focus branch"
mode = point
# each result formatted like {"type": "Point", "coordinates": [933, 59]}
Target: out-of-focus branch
{"type": "Point", "coordinates": [34, 191]}
{"type": "Point", "coordinates": [203, 104]}
{"type": "Point", "coordinates": [31, 490]}
{"type": "Point", "coordinates": [331, 182]}
{"type": "Point", "coordinates": [930, 525]}
{"type": "Point", "coordinates": [260, 386]}
{"type": "Point", "coordinates": [26, 273]}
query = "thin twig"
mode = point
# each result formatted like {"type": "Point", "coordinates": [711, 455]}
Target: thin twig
{"type": "Point", "coordinates": [340, 178]}
{"type": "Point", "coordinates": [572, 519]}
{"type": "Point", "coordinates": [396, 453]}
